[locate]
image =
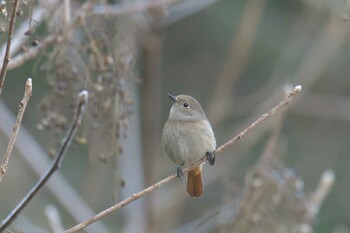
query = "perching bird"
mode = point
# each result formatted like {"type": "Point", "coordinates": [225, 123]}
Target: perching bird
{"type": "Point", "coordinates": [187, 137]}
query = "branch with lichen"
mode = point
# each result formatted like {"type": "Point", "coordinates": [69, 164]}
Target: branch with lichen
{"type": "Point", "coordinates": [296, 90]}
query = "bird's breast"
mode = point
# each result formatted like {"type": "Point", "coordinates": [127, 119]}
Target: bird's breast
{"type": "Point", "coordinates": [187, 141]}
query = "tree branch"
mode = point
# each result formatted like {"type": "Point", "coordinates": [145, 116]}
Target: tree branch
{"type": "Point", "coordinates": [115, 9]}
{"type": "Point", "coordinates": [277, 108]}
{"type": "Point", "coordinates": [166, 180]}
{"type": "Point", "coordinates": [8, 45]}
{"type": "Point", "coordinates": [52, 38]}
{"type": "Point", "coordinates": [22, 108]}
{"type": "Point", "coordinates": [80, 110]}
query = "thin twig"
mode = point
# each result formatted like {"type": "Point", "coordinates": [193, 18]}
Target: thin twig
{"type": "Point", "coordinates": [80, 110]}
{"type": "Point", "coordinates": [22, 108]}
{"type": "Point", "coordinates": [263, 117]}
{"type": "Point", "coordinates": [119, 205]}
{"type": "Point", "coordinates": [8, 45]}
{"type": "Point", "coordinates": [50, 39]}
{"type": "Point", "coordinates": [166, 180]}
{"type": "Point", "coordinates": [275, 132]}
{"type": "Point", "coordinates": [35, 157]}
{"type": "Point", "coordinates": [21, 58]}
{"type": "Point", "coordinates": [19, 38]}
{"type": "Point", "coordinates": [115, 9]}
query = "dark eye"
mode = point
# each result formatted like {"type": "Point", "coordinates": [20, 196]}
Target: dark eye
{"type": "Point", "coordinates": [186, 105]}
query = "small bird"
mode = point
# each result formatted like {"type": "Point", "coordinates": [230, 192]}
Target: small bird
{"type": "Point", "coordinates": [187, 137]}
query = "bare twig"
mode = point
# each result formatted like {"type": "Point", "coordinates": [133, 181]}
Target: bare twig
{"type": "Point", "coordinates": [80, 110]}
{"type": "Point", "coordinates": [119, 205]}
{"type": "Point", "coordinates": [166, 180]}
{"type": "Point", "coordinates": [22, 108]}
{"type": "Point", "coordinates": [20, 59]}
{"type": "Point", "coordinates": [36, 158]}
{"type": "Point", "coordinates": [50, 39]}
{"type": "Point", "coordinates": [38, 13]}
{"type": "Point", "coordinates": [263, 117]}
{"type": "Point", "coordinates": [275, 132]}
{"type": "Point", "coordinates": [8, 45]}
{"type": "Point", "coordinates": [115, 9]}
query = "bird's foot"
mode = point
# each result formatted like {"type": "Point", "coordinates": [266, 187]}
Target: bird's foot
{"type": "Point", "coordinates": [179, 172]}
{"type": "Point", "coordinates": [210, 158]}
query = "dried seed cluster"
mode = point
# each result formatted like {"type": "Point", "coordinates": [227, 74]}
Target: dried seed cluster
{"type": "Point", "coordinates": [97, 55]}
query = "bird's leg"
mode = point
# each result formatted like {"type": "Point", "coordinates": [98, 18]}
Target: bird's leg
{"type": "Point", "coordinates": [179, 171]}
{"type": "Point", "coordinates": [210, 158]}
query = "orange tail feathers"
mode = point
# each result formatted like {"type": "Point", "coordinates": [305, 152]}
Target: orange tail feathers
{"type": "Point", "coordinates": [194, 182]}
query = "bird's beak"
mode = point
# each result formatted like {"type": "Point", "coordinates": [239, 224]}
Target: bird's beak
{"type": "Point", "coordinates": [173, 98]}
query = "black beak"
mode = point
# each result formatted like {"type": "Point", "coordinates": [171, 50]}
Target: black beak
{"type": "Point", "coordinates": [173, 98]}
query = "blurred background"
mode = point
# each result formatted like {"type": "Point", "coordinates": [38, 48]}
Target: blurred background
{"type": "Point", "coordinates": [237, 58]}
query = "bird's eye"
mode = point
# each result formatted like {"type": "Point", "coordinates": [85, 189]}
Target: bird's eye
{"type": "Point", "coordinates": [186, 105]}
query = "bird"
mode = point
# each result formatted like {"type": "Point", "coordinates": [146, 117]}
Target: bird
{"type": "Point", "coordinates": [187, 137]}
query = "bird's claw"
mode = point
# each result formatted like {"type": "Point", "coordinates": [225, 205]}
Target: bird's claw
{"type": "Point", "coordinates": [179, 172]}
{"type": "Point", "coordinates": [210, 158]}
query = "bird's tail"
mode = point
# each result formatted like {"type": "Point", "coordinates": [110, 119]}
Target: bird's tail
{"type": "Point", "coordinates": [194, 182]}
